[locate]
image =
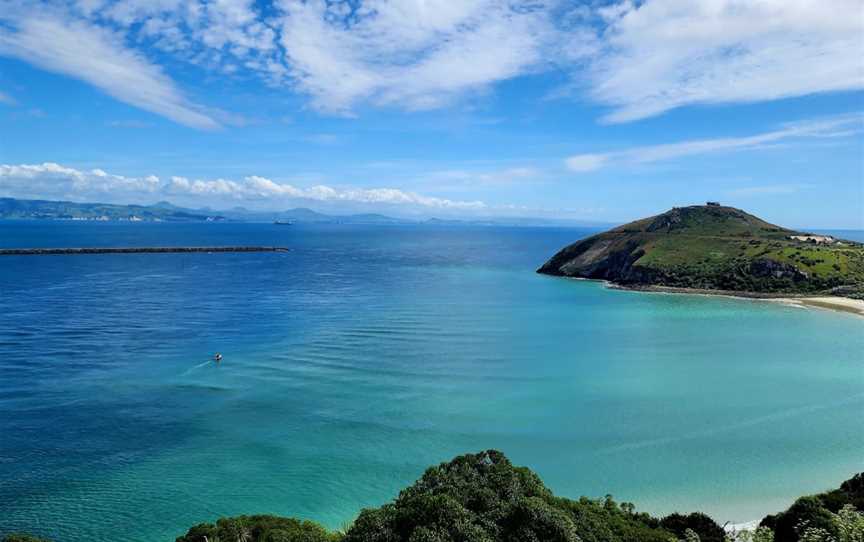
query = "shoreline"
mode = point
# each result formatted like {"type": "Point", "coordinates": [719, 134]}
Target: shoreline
{"type": "Point", "coordinates": [824, 302]}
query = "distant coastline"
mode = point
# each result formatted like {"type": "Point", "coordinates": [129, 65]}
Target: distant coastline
{"type": "Point", "coordinates": [163, 211]}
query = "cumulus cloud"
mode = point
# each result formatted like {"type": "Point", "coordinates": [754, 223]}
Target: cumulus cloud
{"type": "Point", "coordinates": [97, 56]}
{"type": "Point", "coordinates": [834, 127]}
{"type": "Point", "coordinates": [55, 181]}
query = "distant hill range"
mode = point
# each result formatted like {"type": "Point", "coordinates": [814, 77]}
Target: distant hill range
{"type": "Point", "coordinates": [11, 208]}
{"type": "Point", "coordinates": [713, 247]}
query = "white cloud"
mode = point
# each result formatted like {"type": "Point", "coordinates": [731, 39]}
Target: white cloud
{"type": "Point", "coordinates": [662, 54]}
{"type": "Point", "coordinates": [417, 55]}
{"type": "Point", "coordinates": [54, 181]}
{"type": "Point", "coordinates": [97, 56]}
{"type": "Point", "coordinates": [587, 162]}
{"type": "Point", "coordinates": [639, 58]}
{"type": "Point", "coordinates": [473, 178]}
{"type": "Point", "coordinates": [822, 128]}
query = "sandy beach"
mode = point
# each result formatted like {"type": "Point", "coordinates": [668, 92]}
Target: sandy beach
{"type": "Point", "coordinates": [844, 304]}
{"type": "Point", "coordinates": [837, 303]}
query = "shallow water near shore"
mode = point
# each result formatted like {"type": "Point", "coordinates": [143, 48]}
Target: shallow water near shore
{"type": "Point", "coordinates": [368, 353]}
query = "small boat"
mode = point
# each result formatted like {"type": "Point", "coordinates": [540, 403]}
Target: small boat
{"type": "Point", "coordinates": [284, 222]}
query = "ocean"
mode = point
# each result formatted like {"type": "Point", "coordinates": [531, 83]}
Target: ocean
{"type": "Point", "coordinates": [366, 354]}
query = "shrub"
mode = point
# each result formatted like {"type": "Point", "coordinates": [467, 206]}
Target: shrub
{"type": "Point", "coordinates": [702, 525]}
{"type": "Point", "coordinates": [261, 528]}
{"type": "Point", "coordinates": [806, 513]}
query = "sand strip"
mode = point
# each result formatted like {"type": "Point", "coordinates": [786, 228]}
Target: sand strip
{"type": "Point", "coordinates": [837, 303]}
{"type": "Point", "coordinates": [844, 304]}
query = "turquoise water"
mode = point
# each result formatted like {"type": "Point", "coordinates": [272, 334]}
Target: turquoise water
{"type": "Point", "coordinates": [367, 354]}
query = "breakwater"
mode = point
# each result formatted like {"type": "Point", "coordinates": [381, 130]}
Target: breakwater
{"type": "Point", "coordinates": [131, 250]}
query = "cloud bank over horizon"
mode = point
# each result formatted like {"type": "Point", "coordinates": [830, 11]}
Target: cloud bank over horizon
{"type": "Point", "coordinates": [54, 181]}
{"type": "Point", "coordinates": [636, 59]}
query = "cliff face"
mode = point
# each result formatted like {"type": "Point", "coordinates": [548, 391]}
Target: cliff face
{"type": "Point", "coordinates": [714, 248]}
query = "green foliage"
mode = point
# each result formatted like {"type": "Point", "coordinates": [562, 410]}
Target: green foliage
{"type": "Point", "coordinates": [760, 534]}
{"type": "Point", "coordinates": [699, 523]}
{"type": "Point", "coordinates": [815, 534]}
{"type": "Point", "coordinates": [690, 536]}
{"type": "Point", "coordinates": [850, 524]}
{"type": "Point", "coordinates": [806, 513]}
{"type": "Point", "coordinates": [817, 513]}
{"type": "Point", "coordinates": [603, 520]}
{"type": "Point", "coordinates": [484, 498]}
{"type": "Point", "coordinates": [474, 497]}
{"type": "Point", "coordinates": [850, 492]}
{"type": "Point", "coordinates": [263, 528]}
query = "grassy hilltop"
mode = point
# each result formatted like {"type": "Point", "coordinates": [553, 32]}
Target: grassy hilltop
{"type": "Point", "coordinates": [711, 247]}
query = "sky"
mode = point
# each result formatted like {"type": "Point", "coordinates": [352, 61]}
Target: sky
{"type": "Point", "coordinates": [602, 111]}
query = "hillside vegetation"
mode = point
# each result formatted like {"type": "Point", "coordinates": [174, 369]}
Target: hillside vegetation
{"type": "Point", "coordinates": [711, 247]}
{"type": "Point", "coordinates": [485, 498]}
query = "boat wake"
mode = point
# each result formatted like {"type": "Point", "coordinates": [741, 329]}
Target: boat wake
{"type": "Point", "coordinates": [191, 369]}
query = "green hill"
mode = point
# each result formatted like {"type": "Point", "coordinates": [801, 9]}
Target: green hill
{"type": "Point", "coordinates": [711, 247]}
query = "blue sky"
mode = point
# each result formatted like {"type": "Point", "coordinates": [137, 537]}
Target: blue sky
{"type": "Point", "coordinates": [601, 111]}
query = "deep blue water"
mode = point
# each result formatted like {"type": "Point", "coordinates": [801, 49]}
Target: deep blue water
{"type": "Point", "coordinates": [368, 353]}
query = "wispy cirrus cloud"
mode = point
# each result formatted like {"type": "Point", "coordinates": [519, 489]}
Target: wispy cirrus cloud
{"type": "Point", "coordinates": [416, 55]}
{"type": "Point", "coordinates": [97, 56]}
{"type": "Point", "coordinates": [50, 180]}
{"type": "Point", "coordinates": [640, 59]}
{"type": "Point", "coordinates": [658, 55]}
{"type": "Point", "coordinates": [834, 127]}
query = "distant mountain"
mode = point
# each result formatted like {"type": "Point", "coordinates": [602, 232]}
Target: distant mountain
{"type": "Point", "coordinates": [11, 208]}
{"type": "Point", "coordinates": [711, 247]}
{"type": "Point", "coordinates": [302, 215]}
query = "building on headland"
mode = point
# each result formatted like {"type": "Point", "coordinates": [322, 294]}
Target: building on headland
{"type": "Point", "coordinates": [816, 239]}
{"type": "Point", "coordinates": [712, 203]}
